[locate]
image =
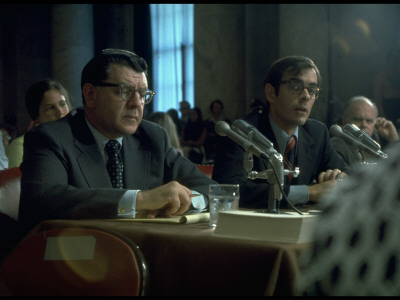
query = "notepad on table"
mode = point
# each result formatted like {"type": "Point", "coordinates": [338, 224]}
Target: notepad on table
{"type": "Point", "coordinates": [184, 219]}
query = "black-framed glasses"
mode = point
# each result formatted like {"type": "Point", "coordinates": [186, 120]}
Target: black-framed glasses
{"type": "Point", "coordinates": [296, 86]}
{"type": "Point", "coordinates": [126, 92]}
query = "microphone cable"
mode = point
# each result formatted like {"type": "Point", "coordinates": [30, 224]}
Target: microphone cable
{"type": "Point", "coordinates": [282, 191]}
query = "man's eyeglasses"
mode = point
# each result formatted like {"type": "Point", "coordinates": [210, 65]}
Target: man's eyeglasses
{"type": "Point", "coordinates": [126, 92]}
{"type": "Point", "coordinates": [296, 86]}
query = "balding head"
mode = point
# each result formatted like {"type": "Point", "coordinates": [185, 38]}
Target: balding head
{"type": "Point", "coordinates": [361, 112]}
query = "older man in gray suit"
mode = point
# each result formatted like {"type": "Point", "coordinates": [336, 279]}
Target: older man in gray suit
{"type": "Point", "coordinates": [64, 173]}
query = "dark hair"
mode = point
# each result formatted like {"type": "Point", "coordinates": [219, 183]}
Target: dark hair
{"type": "Point", "coordinates": [97, 69]}
{"type": "Point", "coordinates": [216, 101]}
{"type": "Point", "coordinates": [292, 64]}
{"type": "Point", "coordinates": [199, 113]}
{"type": "Point", "coordinates": [184, 102]}
{"type": "Point", "coordinates": [174, 114]}
{"type": "Point", "coordinates": [35, 92]}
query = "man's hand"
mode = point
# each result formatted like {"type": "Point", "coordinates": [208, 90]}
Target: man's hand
{"type": "Point", "coordinates": [326, 180]}
{"type": "Point", "coordinates": [330, 175]}
{"type": "Point", "coordinates": [386, 129]}
{"type": "Point", "coordinates": [168, 200]}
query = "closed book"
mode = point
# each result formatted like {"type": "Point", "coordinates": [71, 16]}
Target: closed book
{"type": "Point", "coordinates": [282, 228]}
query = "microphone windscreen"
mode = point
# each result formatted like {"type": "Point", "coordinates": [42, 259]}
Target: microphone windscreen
{"type": "Point", "coordinates": [221, 128]}
{"type": "Point", "coordinates": [335, 130]}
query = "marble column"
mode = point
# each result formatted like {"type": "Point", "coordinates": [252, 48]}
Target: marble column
{"type": "Point", "coordinates": [72, 45]}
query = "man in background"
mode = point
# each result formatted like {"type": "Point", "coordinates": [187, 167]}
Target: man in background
{"type": "Point", "coordinates": [363, 113]}
{"type": "Point", "coordinates": [184, 108]}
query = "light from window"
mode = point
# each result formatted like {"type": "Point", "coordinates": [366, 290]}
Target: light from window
{"type": "Point", "coordinates": [173, 59]}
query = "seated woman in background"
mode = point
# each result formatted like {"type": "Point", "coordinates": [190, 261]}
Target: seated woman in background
{"type": "Point", "coordinates": [175, 117]}
{"type": "Point", "coordinates": [46, 100]}
{"type": "Point", "coordinates": [165, 120]}
{"type": "Point", "coordinates": [193, 136]}
{"type": "Point", "coordinates": [212, 140]}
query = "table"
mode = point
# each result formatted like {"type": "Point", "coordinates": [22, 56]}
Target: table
{"type": "Point", "coordinates": [188, 260]}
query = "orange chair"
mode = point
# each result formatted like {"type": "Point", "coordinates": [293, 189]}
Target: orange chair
{"type": "Point", "coordinates": [75, 262]}
{"type": "Point", "coordinates": [207, 169]}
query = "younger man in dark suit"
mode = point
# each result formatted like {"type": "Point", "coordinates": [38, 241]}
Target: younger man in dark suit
{"type": "Point", "coordinates": [291, 87]}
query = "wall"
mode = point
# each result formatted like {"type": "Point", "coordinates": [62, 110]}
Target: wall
{"type": "Point", "coordinates": [236, 43]}
{"type": "Point", "coordinates": [232, 52]}
{"type": "Point", "coordinates": [234, 46]}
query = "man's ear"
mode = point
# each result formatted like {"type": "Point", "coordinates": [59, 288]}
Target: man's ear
{"type": "Point", "coordinates": [270, 94]}
{"type": "Point", "coordinates": [89, 92]}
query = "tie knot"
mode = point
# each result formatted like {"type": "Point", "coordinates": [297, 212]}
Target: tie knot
{"type": "Point", "coordinates": [112, 146]}
{"type": "Point", "coordinates": [290, 144]}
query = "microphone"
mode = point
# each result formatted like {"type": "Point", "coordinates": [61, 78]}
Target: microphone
{"type": "Point", "coordinates": [245, 129]}
{"type": "Point", "coordinates": [223, 129]}
{"type": "Point", "coordinates": [336, 130]}
{"type": "Point", "coordinates": [362, 136]}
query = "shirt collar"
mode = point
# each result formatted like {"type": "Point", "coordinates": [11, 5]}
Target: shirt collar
{"type": "Point", "coordinates": [281, 136]}
{"type": "Point", "coordinates": [100, 139]}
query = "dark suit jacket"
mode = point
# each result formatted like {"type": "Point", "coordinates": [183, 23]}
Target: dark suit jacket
{"type": "Point", "coordinates": [64, 175]}
{"type": "Point", "coordinates": [315, 154]}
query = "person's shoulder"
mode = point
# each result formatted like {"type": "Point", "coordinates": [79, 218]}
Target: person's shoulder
{"type": "Point", "coordinates": [19, 140]}
{"type": "Point", "coordinates": [16, 145]}
{"type": "Point", "coordinates": [256, 115]}
{"type": "Point", "coordinates": [150, 135]}
{"type": "Point", "coordinates": [149, 128]}
{"type": "Point", "coordinates": [149, 125]}
{"type": "Point", "coordinates": [339, 143]}
{"type": "Point", "coordinates": [64, 128]}
{"type": "Point", "coordinates": [63, 123]}
{"type": "Point", "coordinates": [314, 122]}
{"type": "Point", "coordinates": [314, 125]}
{"type": "Point", "coordinates": [316, 129]}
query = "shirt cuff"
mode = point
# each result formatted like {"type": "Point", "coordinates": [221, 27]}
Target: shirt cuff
{"type": "Point", "coordinates": [127, 204]}
{"type": "Point", "coordinates": [298, 194]}
{"type": "Point", "coordinates": [199, 203]}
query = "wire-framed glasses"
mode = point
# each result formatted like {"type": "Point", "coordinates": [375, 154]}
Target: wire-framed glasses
{"type": "Point", "coordinates": [126, 92]}
{"type": "Point", "coordinates": [296, 86]}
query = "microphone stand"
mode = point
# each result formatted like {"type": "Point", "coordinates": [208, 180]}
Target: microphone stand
{"type": "Point", "coordinates": [274, 176]}
{"type": "Point", "coordinates": [357, 154]}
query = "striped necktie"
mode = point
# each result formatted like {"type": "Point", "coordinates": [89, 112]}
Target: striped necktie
{"type": "Point", "coordinates": [289, 155]}
{"type": "Point", "coordinates": [115, 166]}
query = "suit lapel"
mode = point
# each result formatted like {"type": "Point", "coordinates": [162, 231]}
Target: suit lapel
{"type": "Point", "coordinates": [90, 160]}
{"type": "Point", "coordinates": [136, 160]}
{"type": "Point", "coordinates": [92, 164]}
{"type": "Point", "coordinates": [305, 154]}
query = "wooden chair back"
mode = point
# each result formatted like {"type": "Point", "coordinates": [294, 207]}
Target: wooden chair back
{"type": "Point", "coordinates": [75, 262]}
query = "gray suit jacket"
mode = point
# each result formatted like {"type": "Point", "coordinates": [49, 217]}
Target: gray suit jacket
{"type": "Point", "coordinates": [64, 175]}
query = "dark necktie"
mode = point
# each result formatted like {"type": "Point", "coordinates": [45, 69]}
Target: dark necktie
{"type": "Point", "coordinates": [289, 155]}
{"type": "Point", "coordinates": [115, 166]}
